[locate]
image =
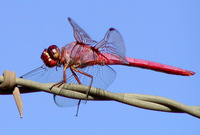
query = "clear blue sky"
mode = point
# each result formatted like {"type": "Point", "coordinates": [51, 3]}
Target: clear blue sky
{"type": "Point", "coordinates": [161, 31]}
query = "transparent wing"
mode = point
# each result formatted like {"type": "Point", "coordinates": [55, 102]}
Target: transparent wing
{"type": "Point", "coordinates": [45, 74]}
{"type": "Point", "coordinates": [103, 76]}
{"type": "Point", "coordinates": [80, 35]}
{"type": "Point", "coordinates": [113, 44]}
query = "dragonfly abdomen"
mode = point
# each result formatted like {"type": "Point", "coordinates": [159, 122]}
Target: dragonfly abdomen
{"type": "Point", "coordinates": [158, 67]}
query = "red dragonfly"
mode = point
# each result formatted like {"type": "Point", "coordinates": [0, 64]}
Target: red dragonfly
{"type": "Point", "coordinates": [87, 62]}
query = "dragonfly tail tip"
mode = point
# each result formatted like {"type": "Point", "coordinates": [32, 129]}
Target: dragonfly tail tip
{"type": "Point", "coordinates": [191, 73]}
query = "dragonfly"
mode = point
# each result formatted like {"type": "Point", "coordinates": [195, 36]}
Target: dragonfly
{"type": "Point", "coordinates": [87, 62]}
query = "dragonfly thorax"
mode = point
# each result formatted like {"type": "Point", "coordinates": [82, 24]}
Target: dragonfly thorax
{"type": "Point", "coordinates": [79, 55]}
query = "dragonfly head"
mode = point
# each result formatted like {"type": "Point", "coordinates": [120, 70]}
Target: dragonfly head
{"type": "Point", "coordinates": [51, 56]}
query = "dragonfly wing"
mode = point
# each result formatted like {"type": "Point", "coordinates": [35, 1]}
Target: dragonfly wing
{"type": "Point", "coordinates": [45, 74]}
{"type": "Point", "coordinates": [103, 76]}
{"type": "Point", "coordinates": [80, 35]}
{"type": "Point", "coordinates": [113, 44]}
{"type": "Point", "coordinates": [65, 102]}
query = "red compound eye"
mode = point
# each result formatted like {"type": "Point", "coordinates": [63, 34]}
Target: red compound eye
{"type": "Point", "coordinates": [54, 52]}
{"type": "Point", "coordinates": [51, 56]}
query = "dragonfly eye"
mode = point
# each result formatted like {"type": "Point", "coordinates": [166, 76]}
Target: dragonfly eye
{"type": "Point", "coordinates": [51, 56]}
{"type": "Point", "coordinates": [54, 52]}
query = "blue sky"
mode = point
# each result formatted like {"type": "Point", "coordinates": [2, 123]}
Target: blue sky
{"type": "Point", "coordinates": [161, 31]}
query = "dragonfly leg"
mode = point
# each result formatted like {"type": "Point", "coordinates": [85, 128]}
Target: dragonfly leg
{"type": "Point", "coordinates": [90, 81]}
{"type": "Point", "coordinates": [77, 79]}
{"type": "Point", "coordinates": [64, 74]}
{"type": "Point", "coordinates": [57, 84]}
{"type": "Point", "coordinates": [78, 108]}
{"type": "Point", "coordinates": [63, 81]}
